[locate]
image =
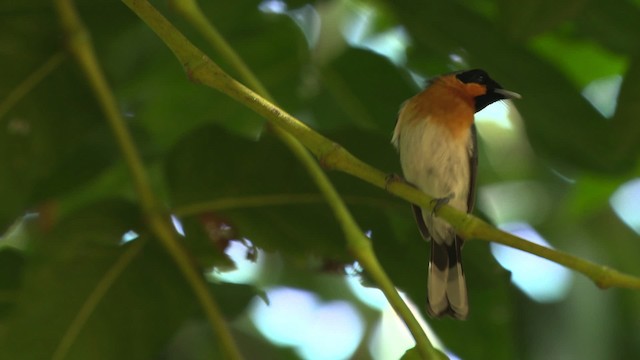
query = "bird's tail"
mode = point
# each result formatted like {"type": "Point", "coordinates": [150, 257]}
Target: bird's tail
{"type": "Point", "coordinates": [447, 289]}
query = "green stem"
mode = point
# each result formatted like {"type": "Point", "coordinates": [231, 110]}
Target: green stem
{"type": "Point", "coordinates": [81, 48]}
{"type": "Point", "coordinates": [190, 10]}
{"type": "Point", "coordinates": [604, 277]}
{"type": "Point", "coordinates": [471, 227]}
{"type": "Point", "coordinates": [92, 301]}
{"type": "Point", "coordinates": [243, 202]}
{"type": "Point", "coordinates": [246, 202]}
{"type": "Point", "coordinates": [30, 82]}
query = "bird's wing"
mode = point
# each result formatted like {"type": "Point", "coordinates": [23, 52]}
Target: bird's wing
{"type": "Point", "coordinates": [473, 169]}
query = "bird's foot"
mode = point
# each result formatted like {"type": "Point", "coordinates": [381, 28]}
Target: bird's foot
{"type": "Point", "coordinates": [439, 202]}
{"type": "Point", "coordinates": [392, 178]}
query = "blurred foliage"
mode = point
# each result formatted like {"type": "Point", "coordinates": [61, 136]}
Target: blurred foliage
{"type": "Point", "coordinates": [66, 199]}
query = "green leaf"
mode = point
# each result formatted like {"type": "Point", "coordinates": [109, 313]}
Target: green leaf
{"type": "Point", "coordinates": [615, 27]}
{"type": "Point", "coordinates": [583, 61]}
{"type": "Point", "coordinates": [207, 237]}
{"type": "Point", "coordinates": [360, 88]}
{"type": "Point", "coordinates": [54, 138]}
{"type": "Point", "coordinates": [11, 271]}
{"type": "Point", "coordinates": [144, 297]}
{"type": "Point", "coordinates": [210, 165]}
{"type": "Point", "coordinates": [523, 19]}
{"type": "Point", "coordinates": [169, 106]}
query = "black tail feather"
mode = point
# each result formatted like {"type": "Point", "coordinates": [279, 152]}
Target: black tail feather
{"type": "Point", "coordinates": [447, 290]}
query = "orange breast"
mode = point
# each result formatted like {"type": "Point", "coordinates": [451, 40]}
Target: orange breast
{"type": "Point", "coordinates": [448, 102]}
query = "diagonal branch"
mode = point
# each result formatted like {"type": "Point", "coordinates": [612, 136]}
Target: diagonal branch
{"type": "Point", "coordinates": [201, 69]}
{"type": "Point", "coordinates": [30, 82]}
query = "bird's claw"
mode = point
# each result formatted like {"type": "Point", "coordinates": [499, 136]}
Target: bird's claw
{"type": "Point", "coordinates": [391, 178]}
{"type": "Point", "coordinates": [439, 202]}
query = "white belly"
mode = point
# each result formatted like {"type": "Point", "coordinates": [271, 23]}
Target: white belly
{"type": "Point", "coordinates": [438, 165]}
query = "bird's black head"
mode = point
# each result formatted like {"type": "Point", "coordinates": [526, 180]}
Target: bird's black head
{"type": "Point", "coordinates": [494, 91]}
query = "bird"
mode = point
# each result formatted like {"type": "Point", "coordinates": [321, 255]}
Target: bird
{"type": "Point", "coordinates": [435, 136]}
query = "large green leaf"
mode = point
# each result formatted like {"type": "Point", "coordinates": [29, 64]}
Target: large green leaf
{"type": "Point", "coordinates": [139, 310]}
{"type": "Point", "coordinates": [524, 19]}
{"type": "Point", "coordinates": [211, 164]}
{"type": "Point", "coordinates": [614, 26]}
{"type": "Point", "coordinates": [271, 44]}
{"type": "Point", "coordinates": [11, 269]}
{"type": "Point", "coordinates": [54, 138]}
{"type": "Point", "coordinates": [360, 88]}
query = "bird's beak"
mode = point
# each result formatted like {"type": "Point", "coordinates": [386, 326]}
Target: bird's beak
{"type": "Point", "coordinates": [508, 94]}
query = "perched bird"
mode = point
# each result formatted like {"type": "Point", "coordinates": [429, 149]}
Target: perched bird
{"type": "Point", "coordinates": [436, 139]}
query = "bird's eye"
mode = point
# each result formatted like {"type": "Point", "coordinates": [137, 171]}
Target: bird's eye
{"type": "Point", "coordinates": [473, 76]}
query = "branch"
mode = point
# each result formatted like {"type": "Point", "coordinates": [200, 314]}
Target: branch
{"type": "Point", "coordinates": [201, 69]}
{"type": "Point", "coordinates": [30, 82]}
{"type": "Point", "coordinates": [81, 48]}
